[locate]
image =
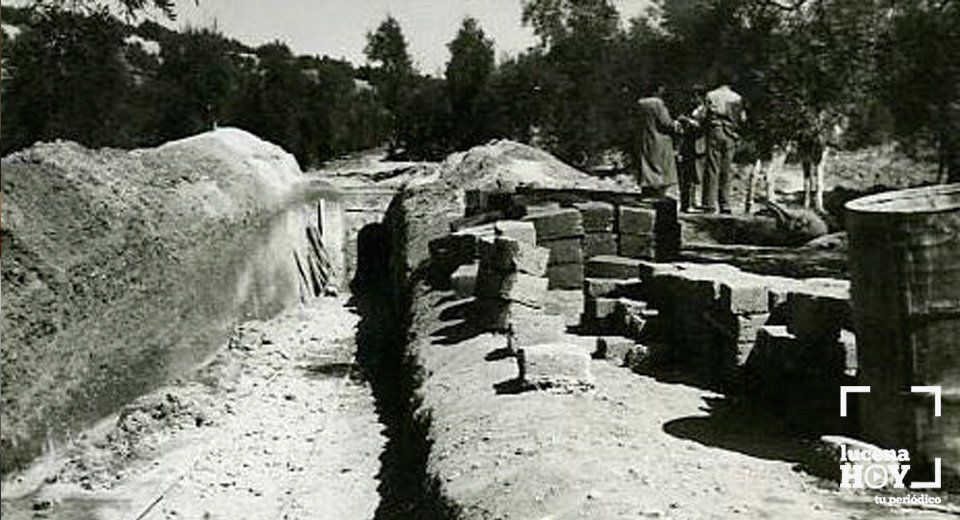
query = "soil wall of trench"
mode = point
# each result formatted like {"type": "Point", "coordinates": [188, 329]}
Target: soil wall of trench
{"type": "Point", "coordinates": [121, 270]}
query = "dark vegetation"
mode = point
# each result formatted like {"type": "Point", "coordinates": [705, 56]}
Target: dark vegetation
{"type": "Point", "coordinates": [884, 69]}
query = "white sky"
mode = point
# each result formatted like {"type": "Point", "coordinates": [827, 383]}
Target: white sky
{"type": "Point", "coordinates": [337, 28]}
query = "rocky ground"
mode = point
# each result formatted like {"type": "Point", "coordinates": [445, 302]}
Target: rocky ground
{"type": "Point", "coordinates": [279, 424]}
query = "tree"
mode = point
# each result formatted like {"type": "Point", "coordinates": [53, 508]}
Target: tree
{"type": "Point", "coordinates": [578, 38]}
{"type": "Point", "coordinates": [392, 72]}
{"type": "Point", "coordinates": [470, 66]}
{"type": "Point", "coordinates": [198, 78]}
{"type": "Point", "coordinates": [67, 80]}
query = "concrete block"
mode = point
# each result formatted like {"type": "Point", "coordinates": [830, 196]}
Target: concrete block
{"type": "Point", "coordinates": [518, 230]}
{"type": "Point", "coordinates": [516, 287]}
{"type": "Point", "coordinates": [613, 348]}
{"type": "Point", "coordinates": [638, 246]}
{"type": "Point", "coordinates": [608, 266]}
{"type": "Point", "coordinates": [596, 244]}
{"type": "Point", "coordinates": [597, 216]}
{"type": "Point", "coordinates": [464, 280]}
{"type": "Point", "coordinates": [565, 276]}
{"type": "Point", "coordinates": [511, 255]}
{"type": "Point", "coordinates": [565, 302]}
{"type": "Point", "coordinates": [561, 223]}
{"type": "Point", "coordinates": [744, 294]}
{"type": "Point", "coordinates": [636, 221]}
{"type": "Point", "coordinates": [613, 287]}
{"type": "Point", "coordinates": [560, 366]}
{"type": "Point", "coordinates": [564, 250]}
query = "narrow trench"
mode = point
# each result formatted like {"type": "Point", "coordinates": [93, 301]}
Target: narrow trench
{"type": "Point", "coordinates": [381, 352]}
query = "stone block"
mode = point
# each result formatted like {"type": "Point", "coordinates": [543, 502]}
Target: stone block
{"type": "Point", "coordinates": [565, 276]}
{"type": "Point", "coordinates": [608, 266]}
{"type": "Point", "coordinates": [559, 366]}
{"type": "Point", "coordinates": [511, 255]}
{"type": "Point", "coordinates": [613, 348]}
{"type": "Point", "coordinates": [596, 244]}
{"type": "Point", "coordinates": [565, 302]}
{"type": "Point", "coordinates": [636, 221]}
{"type": "Point", "coordinates": [516, 287]}
{"type": "Point", "coordinates": [456, 249]}
{"type": "Point", "coordinates": [554, 224]}
{"type": "Point", "coordinates": [600, 308]}
{"type": "Point", "coordinates": [464, 280]}
{"type": "Point", "coordinates": [613, 287]}
{"type": "Point", "coordinates": [668, 241]}
{"type": "Point", "coordinates": [597, 216]}
{"type": "Point", "coordinates": [544, 207]}
{"type": "Point", "coordinates": [818, 317]}
{"type": "Point", "coordinates": [776, 352]}
{"type": "Point", "coordinates": [650, 269]}
{"type": "Point", "coordinates": [518, 230]}
{"type": "Point", "coordinates": [744, 293]}
{"type": "Point", "coordinates": [564, 250]}
{"type": "Point", "coordinates": [638, 246]}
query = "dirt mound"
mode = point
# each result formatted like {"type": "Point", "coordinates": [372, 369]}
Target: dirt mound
{"type": "Point", "coordinates": [108, 258]}
{"type": "Point", "coordinates": [505, 165]}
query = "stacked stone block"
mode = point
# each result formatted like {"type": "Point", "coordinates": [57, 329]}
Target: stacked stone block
{"type": "Point", "coordinates": [561, 231]}
{"type": "Point", "coordinates": [598, 226]}
{"type": "Point", "coordinates": [649, 232]}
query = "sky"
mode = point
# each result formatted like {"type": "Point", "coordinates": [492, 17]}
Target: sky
{"type": "Point", "coordinates": [337, 28]}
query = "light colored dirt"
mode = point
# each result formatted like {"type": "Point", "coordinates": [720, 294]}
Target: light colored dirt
{"type": "Point", "coordinates": [279, 425]}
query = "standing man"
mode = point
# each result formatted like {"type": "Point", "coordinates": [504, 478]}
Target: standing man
{"type": "Point", "coordinates": [725, 113]}
{"type": "Point", "coordinates": [655, 157]}
{"type": "Point", "coordinates": [693, 152]}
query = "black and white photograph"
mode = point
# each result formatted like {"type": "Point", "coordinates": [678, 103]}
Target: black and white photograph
{"type": "Point", "coordinates": [480, 259]}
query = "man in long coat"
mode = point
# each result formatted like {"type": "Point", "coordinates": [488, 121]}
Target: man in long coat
{"type": "Point", "coordinates": [656, 157]}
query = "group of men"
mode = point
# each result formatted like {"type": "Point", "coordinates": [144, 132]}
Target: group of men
{"type": "Point", "coordinates": [708, 136]}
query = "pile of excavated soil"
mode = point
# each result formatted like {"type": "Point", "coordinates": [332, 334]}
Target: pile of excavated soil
{"type": "Point", "coordinates": [110, 257]}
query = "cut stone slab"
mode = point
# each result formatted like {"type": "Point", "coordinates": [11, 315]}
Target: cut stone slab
{"type": "Point", "coordinates": [650, 269]}
{"type": "Point", "coordinates": [511, 255]}
{"type": "Point", "coordinates": [554, 224]}
{"type": "Point", "coordinates": [516, 287]}
{"type": "Point", "coordinates": [613, 348]}
{"type": "Point", "coordinates": [638, 246]}
{"type": "Point", "coordinates": [776, 352]}
{"type": "Point", "coordinates": [613, 287]}
{"type": "Point", "coordinates": [464, 280]}
{"type": "Point", "coordinates": [565, 276]}
{"type": "Point", "coordinates": [636, 221]}
{"type": "Point", "coordinates": [564, 250]}
{"type": "Point", "coordinates": [518, 230]}
{"type": "Point", "coordinates": [609, 266]}
{"type": "Point", "coordinates": [597, 216]}
{"type": "Point", "coordinates": [744, 293]}
{"type": "Point", "coordinates": [558, 366]}
{"type": "Point", "coordinates": [456, 249]}
{"type": "Point", "coordinates": [565, 302]}
{"type": "Point", "coordinates": [596, 244]}
{"type": "Point", "coordinates": [818, 317]}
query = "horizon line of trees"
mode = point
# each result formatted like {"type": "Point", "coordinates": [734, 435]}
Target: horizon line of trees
{"type": "Point", "coordinates": [886, 68]}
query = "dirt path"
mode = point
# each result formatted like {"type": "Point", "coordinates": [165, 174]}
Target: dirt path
{"type": "Point", "coordinates": [280, 425]}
